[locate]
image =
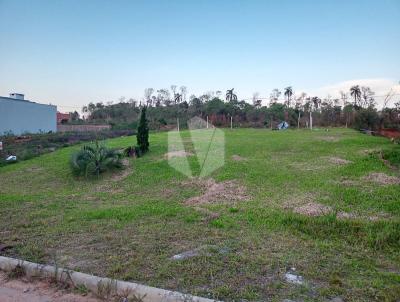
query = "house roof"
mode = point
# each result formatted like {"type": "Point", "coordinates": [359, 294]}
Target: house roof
{"type": "Point", "coordinates": [27, 101]}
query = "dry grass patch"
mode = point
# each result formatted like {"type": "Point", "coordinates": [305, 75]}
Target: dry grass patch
{"type": "Point", "coordinates": [236, 157]}
{"type": "Point", "coordinates": [207, 214]}
{"type": "Point", "coordinates": [369, 151]}
{"type": "Point", "coordinates": [180, 153]}
{"type": "Point", "coordinates": [382, 179]}
{"type": "Point", "coordinates": [306, 205]}
{"type": "Point", "coordinates": [229, 191]}
{"type": "Point", "coordinates": [123, 173]}
{"type": "Point", "coordinates": [328, 138]}
{"type": "Point", "coordinates": [298, 200]}
{"type": "Point", "coordinates": [34, 169]}
{"type": "Point", "coordinates": [348, 182]}
{"type": "Point", "coordinates": [307, 166]}
{"type": "Point", "coordinates": [107, 186]}
{"type": "Point", "coordinates": [313, 209]}
{"type": "Point", "coordinates": [339, 161]}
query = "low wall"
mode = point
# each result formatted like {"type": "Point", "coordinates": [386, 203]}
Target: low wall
{"type": "Point", "coordinates": [82, 128]}
{"type": "Point", "coordinates": [390, 133]}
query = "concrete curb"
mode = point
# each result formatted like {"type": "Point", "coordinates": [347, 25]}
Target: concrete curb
{"type": "Point", "coordinates": [97, 284]}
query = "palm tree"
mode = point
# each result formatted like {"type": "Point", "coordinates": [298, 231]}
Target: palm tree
{"type": "Point", "coordinates": [355, 92]}
{"type": "Point", "coordinates": [177, 98]}
{"type": "Point", "coordinates": [316, 101]}
{"type": "Point", "coordinates": [230, 96]}
{"type": "Point", "coordinates": [288, 94]}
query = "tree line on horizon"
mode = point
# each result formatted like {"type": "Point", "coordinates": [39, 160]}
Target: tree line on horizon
{"type": "Point", "coordinates": [355, 108]}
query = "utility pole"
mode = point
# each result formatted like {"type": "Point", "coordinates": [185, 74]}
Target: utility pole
{"type": "Point", "coordinates": [177, 123]}
{"type": "Point", "coordinates": [207, 121]}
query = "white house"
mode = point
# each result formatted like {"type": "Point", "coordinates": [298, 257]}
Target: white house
{"type": "Point", "coordinates": [19, 116]}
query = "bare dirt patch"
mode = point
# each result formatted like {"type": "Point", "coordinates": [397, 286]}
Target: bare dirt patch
{"type": "Point", "coordinates": [22, 290]}
{"type": "Point", "coordinates": [229, 191]}
{"type": "Point", "coordinates": [382, 179]}
{"type": "Point", "coordinates": [180, 153]}
{"type": "Point", "coordinates": [236, 157]}
{"type": "Point", "coordinates": [339, 161]}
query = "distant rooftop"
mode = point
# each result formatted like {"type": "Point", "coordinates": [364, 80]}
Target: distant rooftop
{"type": "Point", "coordinates": [17, 96]}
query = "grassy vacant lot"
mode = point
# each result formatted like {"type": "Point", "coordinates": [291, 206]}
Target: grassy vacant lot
{"type": "Point", "coordinates": [303, 207]}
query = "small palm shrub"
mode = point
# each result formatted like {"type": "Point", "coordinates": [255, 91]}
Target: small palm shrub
{"type": "Point", "coordinates": [94, 159]}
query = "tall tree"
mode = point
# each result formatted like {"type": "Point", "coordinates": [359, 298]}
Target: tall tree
{"type": "Point", "coordinates": [355, 92]}
{"type": "Point", "coordinates": [343, 97]}
{"type": "Point", "coordinates": [274, 96]}
{"type": "Point", "coordinates": [163, 97]}
{"type": "Point", "coordinates": [173, 89]}
{"type": "Point", "coordinates": [388, 97]}
{"type": "Point", "coordinates": [315, 102]}
{"type": "Point", "coordinates": [177, 98]}
{"type": "Point", "coordinates": [143, 132]}
{"type": "Point", "coordinates": [74, 116]}
{"type": "Point", "coordinates": [367, 97]}
{"type": "Point", "coordinates": [183, 90]}
{"type": "Point", "coordinates": [147, 95]}
{"type": "Point", "coordinates": [288, 94]}
{"type": "Point", "coordinates": [256, 101]}
{"type": "Point", "coordinates": [299, 107]}
{"type": "Point", "coordinates": [230, 96]}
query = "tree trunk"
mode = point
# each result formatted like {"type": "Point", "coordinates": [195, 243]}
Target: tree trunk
{"type": "Point", "coordinates": [298, 121]}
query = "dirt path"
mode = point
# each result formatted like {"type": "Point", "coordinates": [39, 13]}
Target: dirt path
{"type": "Point", "coordinates": [37, 291]}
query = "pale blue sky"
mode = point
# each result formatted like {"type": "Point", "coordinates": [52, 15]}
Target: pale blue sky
{"type": "Point", "coordinates": [72, 52]}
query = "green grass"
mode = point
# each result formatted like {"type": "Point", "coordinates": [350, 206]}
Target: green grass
{"type": "Point", "coordinates": [130, 228]}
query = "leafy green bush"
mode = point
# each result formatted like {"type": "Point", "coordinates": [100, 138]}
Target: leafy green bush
{"type": "Point", "coordinates": [94, 159]}
{"type": "Point", "coordinates": [2, 162]}
{"type": "Point", "coordinates": [393, 156]}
